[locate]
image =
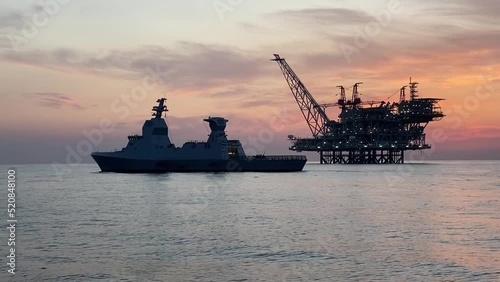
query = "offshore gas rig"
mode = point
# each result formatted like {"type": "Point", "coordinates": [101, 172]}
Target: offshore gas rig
{"type": "Point", "coordinates": [372, 132]}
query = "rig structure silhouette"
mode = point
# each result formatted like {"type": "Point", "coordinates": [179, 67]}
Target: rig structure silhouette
{"type": "Point", "coordinates": [371, 132]}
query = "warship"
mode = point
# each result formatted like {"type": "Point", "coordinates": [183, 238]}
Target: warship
{"type": "Point", "coordinates": [154, 152]}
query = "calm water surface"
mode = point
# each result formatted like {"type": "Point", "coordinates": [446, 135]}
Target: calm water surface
{"type": "Point", "coordinates": [437, 221]}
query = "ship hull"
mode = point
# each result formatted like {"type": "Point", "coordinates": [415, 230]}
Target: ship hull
{"type": "Point", "coordinates": [109, 163]}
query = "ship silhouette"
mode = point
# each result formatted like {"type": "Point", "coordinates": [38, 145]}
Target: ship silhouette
{"type": "Point", "coordinates": [154, 152]}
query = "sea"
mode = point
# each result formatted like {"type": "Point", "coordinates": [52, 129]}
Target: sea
{"type": "Point", "coordinates": [431, 221]}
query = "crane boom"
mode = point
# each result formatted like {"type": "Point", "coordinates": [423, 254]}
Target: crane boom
{"type": "Point", "coordinates": [314, 114]}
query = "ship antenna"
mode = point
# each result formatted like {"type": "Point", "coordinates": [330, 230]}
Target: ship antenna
{"type": "Point", "coordinates": [165, 113]}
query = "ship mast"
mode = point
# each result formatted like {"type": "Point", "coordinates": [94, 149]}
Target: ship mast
{"type": "Point", "coordinates": [158, 110]}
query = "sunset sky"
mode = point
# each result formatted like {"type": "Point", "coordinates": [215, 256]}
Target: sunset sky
{"type": "Point", "coordinates": [67, 65]}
